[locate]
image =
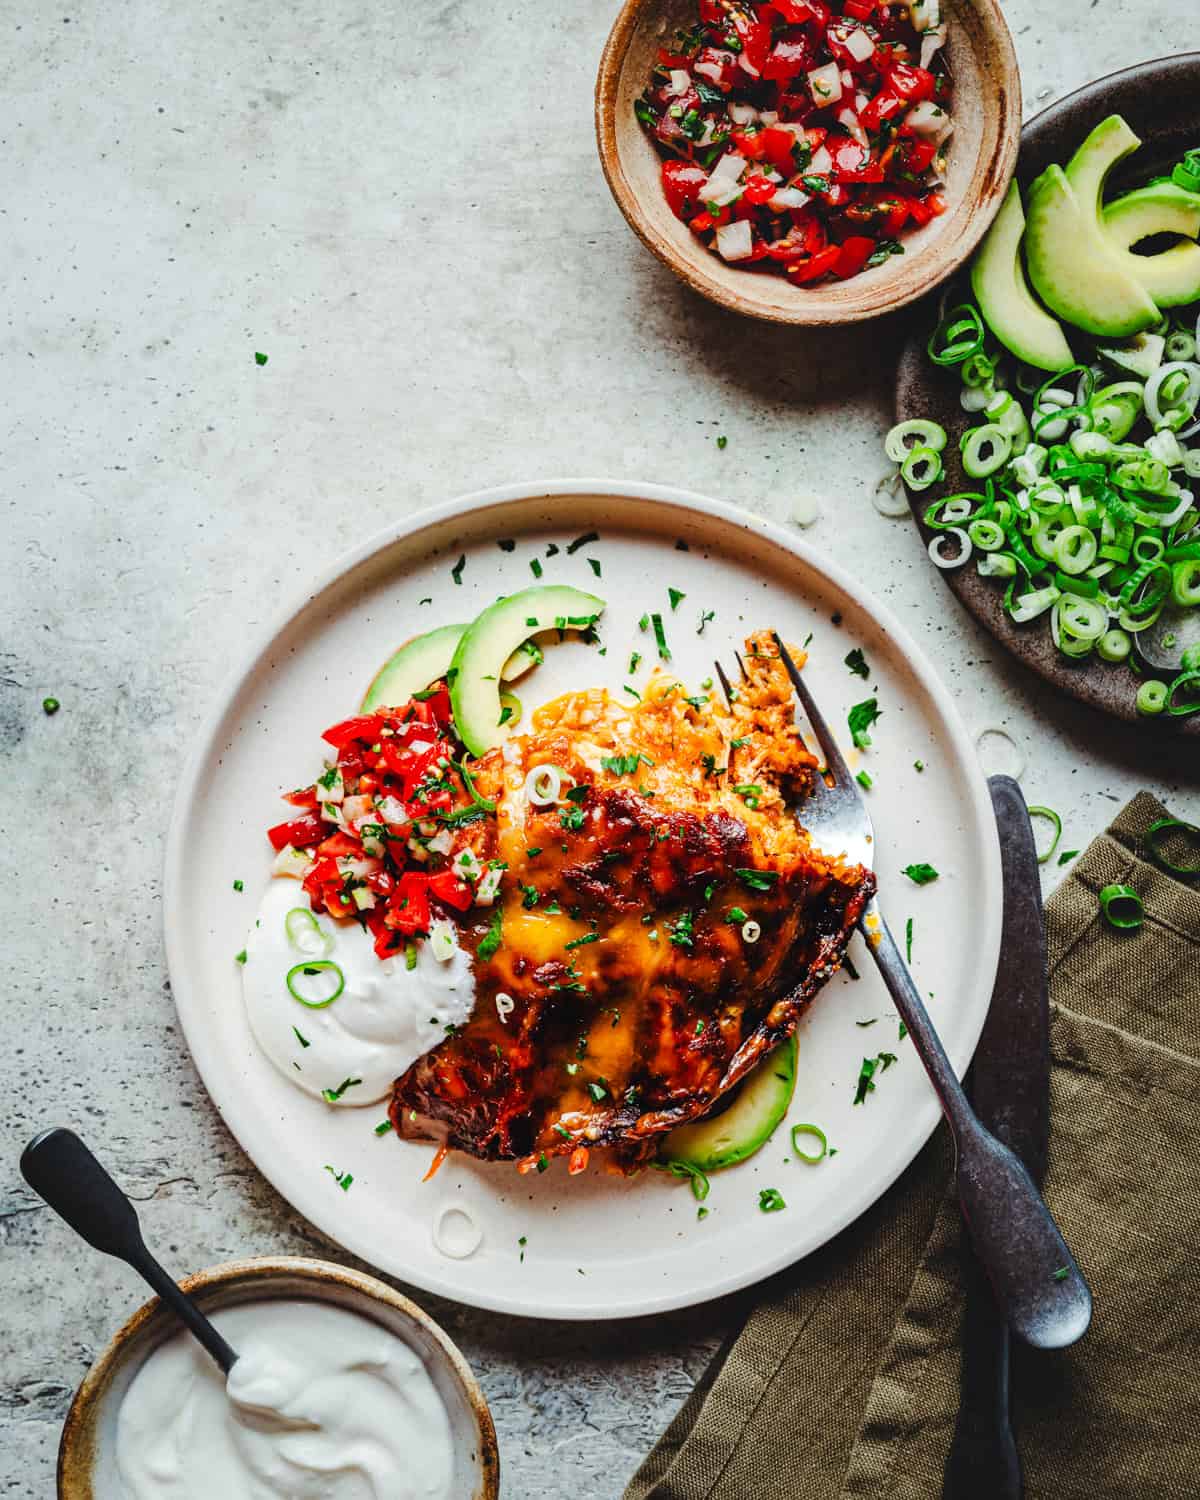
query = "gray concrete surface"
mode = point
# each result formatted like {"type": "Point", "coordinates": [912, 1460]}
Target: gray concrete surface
{"type": "Point", "coordinates": [401, 206]}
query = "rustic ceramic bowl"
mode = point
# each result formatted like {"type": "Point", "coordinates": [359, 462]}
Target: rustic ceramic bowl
{"type": "Point", "coordinates": [86, 1462]}
{"type": "Point", "coordinates": [987, 114]}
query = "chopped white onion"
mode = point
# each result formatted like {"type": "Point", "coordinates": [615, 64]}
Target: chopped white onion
{"type": "Point", "coordinates": [929, 120]}
{"type": "Point", "coordinates": [973, 397]}
{"type": "Point", "coordinates": [543, 785]}
{"type": "Point", "coordinates": [466, 864]}
{"type": "Point", "coordinates": [742, 114]}
{"type": "Point", "coordinates": [723, 176]}
{"type": "Point", "coordinates": [1155, 384]}
{"type": "Point", "coordinates": [392, 810]}
{"type": "Point", "coordinates": [965, 548]}
{"type": "Point", "coordinates": [488, 888]}
{"type": "Point", "coordinates": [822, 163]}
{"type": "Point", "coordinates": [769, 116]}
{"type": "Point", "coordinates": [925, 14]}
{"type": "Point", "coordinates": [419, 747]}
{"type": "Point", "coordinates": [734, 241]}
{"type": "Point", "coordinates": [335, 791]}
{"type": "Point", "coordinates": [788, 197]}
{"type": "Point", "coordinates": [442, 943]}
{"type": "Point", "coordinates": [853, 125]}
{"type": "Point", "coordinates": [825, 84]}
{"type": "Point", "coordinates": [363, 898]}
{"type": "Point", "coordinates": [291, 862]}
{"type": "Point", "coordinates": [859, 45]}
{"type": "Point", "coordinates": [441, 843]}
{"type": "Point", "coordinates": [681, 81]}
{"type": "Point", "coordinates": [931, 44]}
{"type": "Point", "coordinates": [805, 509]}
{"type": "Point", "coordinates": [713, 71]}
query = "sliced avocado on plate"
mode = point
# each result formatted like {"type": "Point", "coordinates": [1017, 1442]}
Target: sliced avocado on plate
{"type": "Point", "coordinates": [490, 641]}
{"type": "Point", "coordinates": [1075, 269]}
{"type": "Point", "coordinates": [746, 1126]}
{"type": "Point", "coordinates": [998, 280]}
{"type": "Point", "coordinates": [411, 669]}
{"type": "Point", "coordinates": [1140, 355]}
{"type": "Point", "coordinates": [1172, 276]}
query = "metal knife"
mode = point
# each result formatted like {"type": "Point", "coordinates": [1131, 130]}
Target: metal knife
{"type": "Point", "coordinates": [1011, 1094]}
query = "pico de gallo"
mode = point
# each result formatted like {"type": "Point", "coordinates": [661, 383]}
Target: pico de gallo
{"type": "Point", "coordinates": [376, 836]}
{"type": "Point", "coordinates": [803, 136]}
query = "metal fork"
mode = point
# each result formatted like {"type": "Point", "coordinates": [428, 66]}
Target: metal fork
{"type": "Point", "coordinates": [1037, 1283]}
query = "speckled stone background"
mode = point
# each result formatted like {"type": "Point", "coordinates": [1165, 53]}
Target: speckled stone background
{"type": "Point", "coordinates": [401, 206]}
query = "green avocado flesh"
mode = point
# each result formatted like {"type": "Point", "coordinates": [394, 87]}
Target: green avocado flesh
{"type": "Point", "coordinates": [488, 644]}
{"type": "Point", "coordinates": [1008, 306]}
{"type": "Point", "coordinates": [411, 669]}
{"type": "Point", "coordinates": [1074, 269]}
{"type": "Point", "coordinates": [1171, 277]}
{"type": "Point", "coordinates": [748, 1123]}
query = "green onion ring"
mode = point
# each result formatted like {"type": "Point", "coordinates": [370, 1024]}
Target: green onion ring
{"type": "Point", "coordinates": [1152, 697]}
{"type": "Point", "coordinates": [315, 966]}
{"type": "Point", "coordinates": [1185, 583]}
{"type": "Point", "coordinates": [922, 468]}
{"type": "Point", "coordinates": [1051, 817]}
{"type": "Point", "coordinates": [819, 1134]}
{"type": "Point", "coordinates": [1191, 705]}
{"type": "Point", "coordinates": [957, 337]}
{"type": "Point", "coordinates": [300, 924]}
{"type": "Point", "coordinates": [1159, 830]}
{"type": "Point", "coordinates": [1122, 907]}
{"type": "Point", "coordinates": [922, 433]}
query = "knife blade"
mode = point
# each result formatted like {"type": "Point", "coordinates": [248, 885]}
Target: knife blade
{"type": "Point", "coordinates": [1011, 1094]}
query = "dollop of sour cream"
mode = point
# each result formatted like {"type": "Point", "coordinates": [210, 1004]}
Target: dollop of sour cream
{"type": "Point", "coordinates": [322, 1404]}
{"type": "Point", "coordinates": [385, 1017]}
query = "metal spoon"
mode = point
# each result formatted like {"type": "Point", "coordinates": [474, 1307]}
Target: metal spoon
{"type": "Point", "coordinates": [61, 1169]}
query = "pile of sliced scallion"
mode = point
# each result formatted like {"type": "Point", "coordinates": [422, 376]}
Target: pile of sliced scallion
{"type": "Point", "coordinates": [1082, 507]}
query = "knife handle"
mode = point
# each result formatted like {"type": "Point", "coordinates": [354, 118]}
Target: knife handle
{"type": "Point", "coordinates": [983, 1463]}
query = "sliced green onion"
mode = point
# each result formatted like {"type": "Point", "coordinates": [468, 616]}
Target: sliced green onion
{"type": "Point", "coordinates": [923, 434]}
{"type": "Point", "coordinates": [985, 449]}
{"type": "Point", "coordinates": [1114, 645]}
{"type": "Point", "coordinates": [1122, 907]}
{"type": "Point", "coordinates": [1189, 704]}
{"type": "Point", "coordinates": [1152, 697]}
{"type": "Point", "coordinates": [1185, 582]}
{"type": "Point", "coordinates": [1053, 818]}
{"type": "Point", "coordinates": [818, 1135]}
{"type": "Point", "coordinates": [958, 336]}
{"type": "Point", "coordinates": [921, 468]}
{"type": "Point", "coordinates": [1161, 829]}
{"type": "Point", "coordinates": [305, 934]}
{"type": "Point", "coordinates": [311, 970]}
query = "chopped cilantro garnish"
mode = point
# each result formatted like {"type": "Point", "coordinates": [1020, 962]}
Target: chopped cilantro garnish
{"type": "Point", "coordinates": [239, 885]}
{"type": "Point", "coordinates": [921, 874]}
{"type": "Point", "coordinates": [737, 914]}
{"type": "Point", "coordinates": [860, 719]}
{"type": "Point", "coordinates": [542, 1163]}
{"type": "Point", "coordinates": [581, 942]}
{"type": "Point", "coordinates": [456, 571]}
{"type": "Point", "coordinates": [572, 817]}
{"type": "Point", "coordinates": [676, 598]}
{"type": "Point", "coordinates": [240, 958]}
{"type": "Point", "coordinates": [583, 541]}
{"type": "Point", "coordinates": [535, 567]}
{"type": "Point", "coordinates": [595, 566]}
{"type": "Point", "coordinates": [597, 1091]}
{"type": "Point", "coordinates": [857, 663]}
{"type": "Point", "coordinates": [633, 691]}
{"type": "Point", "coordinates": [643, 622]}
{"type": "Point", "coordinates": [903, 1030]}
{"type": "Point", "coordinates": [622, 765]}
{"type": "Point", "coordinates": [682, 931]}
{"type": "Point", "coordinates": [259, 358]}
{"type": "Point", "coordinates": [758, 880]}
{"type": "Point", "coordinates": [908, 936]}
{"type": "Point", "coordinates": [303, 1040]}
{"type": "Point", "coordinates": [562, 1130]}
{"type": "Point", "coordinates": [866, 1074]}
{"type": "Point", "coordinates": [1062, 1273]}
{"type": "Point", "coordinates": [738, 743]}
{"type": "Point", "coordinates": [770, 1200]}
{"type": "Point", "coordinates": [383, 1127]}
{"type": "Point", "coordinates": [705, 616]}
{"type": "Point", "coordinates": [634, 658]}
{"type": "Point", "coordinates": [918, 765]}
{"type": "Point", "coordinates": [331, 1096]}
{"type": "Point", "coordinates": [660, 638]}
{"type": "Point", "coordinates": [865, 780]}
{"type": "Point", "coordinates": [722, 440]}
{"type": "Point", "coordinates": [50, 706]}
{"type": "Point", "coordinates": [490, 942]}
{"type": "Point", "coordinates": [1067, 856]}
{"type": "Point", "coordinates": [343, 1179]}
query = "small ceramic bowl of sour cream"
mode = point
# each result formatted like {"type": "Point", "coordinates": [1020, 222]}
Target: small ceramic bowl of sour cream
{"type": "Point", "coordinates": [343, 1390]}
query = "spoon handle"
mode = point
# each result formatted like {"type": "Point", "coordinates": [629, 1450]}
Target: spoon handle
{"type": "Point", "coordinates": [61, 1169]}
{"type": "Point", "coordinates": [1037, 1283]}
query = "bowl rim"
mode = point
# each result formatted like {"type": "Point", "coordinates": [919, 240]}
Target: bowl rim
{"type": "Point", "coordinates": [813, 312]}
{"type": "Point", "coordinates": [74, 1447]}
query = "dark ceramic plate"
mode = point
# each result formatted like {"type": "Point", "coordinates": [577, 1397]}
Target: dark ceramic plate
{"type": "Point", "coordinates": [1161, 101]}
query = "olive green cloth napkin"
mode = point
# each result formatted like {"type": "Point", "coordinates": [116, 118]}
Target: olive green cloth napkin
{"type": "Point", "coordinates": [843, 1382]}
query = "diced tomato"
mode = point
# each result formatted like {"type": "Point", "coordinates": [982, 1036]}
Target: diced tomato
{"type": "Point", "coordinates": [748, 143]}
{"type": "Point", "coordinates": [800, 12]}
{"type": "Point", "coordinates": [682, 181]}
{"type": "Point", "coordinates": [921, 210]}
{"type": "Point", "coordinates": [365, 727]}
{"type": "Point", "coordinates": [671, 59]}
{"type": "Point", "coordinates": [777, 146]}
{"type": "Point", "coordinates": [755, 37]}
{"type": "Point", "coordinates": [339, 845]}
{"type": "Point", "coordinates": [702, 223]}
{"type": "Point", "coordinates": [886, 105]}
{"type": "Point", "coordinates": [908, 155]}
{"type": "Point", "coordinates": [883, 210]}
{"type": "Point", "coordinates": [852, 162]}
{"type": "Point", "coordinates": [303, 796]}
{"type": "Point", "coordinates": [408, 905]}
{"type": "Point", "coordinates": [451, 889]}
{"type": "Point", "coordinates": [837, 195]}
{"type": "Point", "coordinates": [759, 189]}
{"type": "Point", "coordinates": [853, 255]}
{"type": "Point", "coordinates": [718, 66]}
{"type": "Point", "coordinates": [300, 833]}
{"type": "Point", "coordinates": [438, 704]}
{"type": "Point", "coordinates": [791, 55]}
{"type": "Point", "coordinates": [859, 9]}
{"type": "Point", "coordinates": [815, 266]}
{"type": "Point", "coordinates": [909, 81]}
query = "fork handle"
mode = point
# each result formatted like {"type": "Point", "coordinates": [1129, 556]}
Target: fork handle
{"type": "Point", "coordinates": [1039, 1288]}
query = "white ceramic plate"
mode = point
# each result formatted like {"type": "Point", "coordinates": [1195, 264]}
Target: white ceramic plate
{"type": "Point", "coordinates": [596, 1246]}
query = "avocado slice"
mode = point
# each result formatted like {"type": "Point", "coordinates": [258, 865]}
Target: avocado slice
{"type": "Point", "coordinates": [1002, 291]}
{"type": "Point", "coordinates": [1172, 277]}
{"type": "Point", "coordinates": [488, 643]}
{"type": "Point", "coordinates": [748, 1123]}
{"type": "Point", "coordinates": [1074, 269]}
{"type": "Point", "coordinates": [1095, 157]}
{"type": "Point", "coordinates": [1140, 355]}
{"type": "Point", "coordinates": [424, 659]}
